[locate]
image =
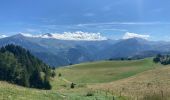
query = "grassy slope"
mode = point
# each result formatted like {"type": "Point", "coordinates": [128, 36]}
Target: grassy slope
{"type": "Point", "coordinates": [14, 92]}
{"type": "Point", "coordinates": [152, 84]}
{"type": "Point", "coordinates": [105, 71]}
{"type": "Point", "coordinates": [86, 76]}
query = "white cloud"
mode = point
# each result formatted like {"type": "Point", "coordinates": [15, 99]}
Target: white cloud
{"type": "Point", "coordinates": [3, 36]}
{"type": "Point", "coordinates": [129, 35]}
{"type": "Point", "coordinates": [124, 23]}
{"type": "Point", "coordinates": [27, 34]}
{"type": "Point", "coordinates": [78, 35]}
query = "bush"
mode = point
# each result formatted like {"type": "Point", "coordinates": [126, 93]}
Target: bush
{"type": "Point", "coordinates": [90, 94]}
{"type": "Point", "coordinates": [122, 59]}
{"type": "Point", "coordinates": [110, 59]}
{"type": "Point", "coordinates": [163, 59]}
{"type": "Point", "coordinates": [59, 75]}
{"type": "Point", "coordinates": [157, 58]}
{"type": "Point", "coordinates": [53, 74]}
{"type": "Point", "coordinates": [72, 85]}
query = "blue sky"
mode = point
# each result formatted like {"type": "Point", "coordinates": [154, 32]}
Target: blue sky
{"type": "Point", "coordinates": [112, 18]}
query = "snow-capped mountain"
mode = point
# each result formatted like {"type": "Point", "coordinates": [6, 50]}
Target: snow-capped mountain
{"type": "Point", "coordinates": [78, 35]}
{"type": "Point", "coordinates": [57, 50]}
{"type": "Point", "coordinates": [3, 36]}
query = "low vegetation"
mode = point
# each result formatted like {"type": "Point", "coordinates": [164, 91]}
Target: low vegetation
{"type": "Point", "coordinates": [163, 59]}
{"type": "Point", "coordinates": [106, 80]}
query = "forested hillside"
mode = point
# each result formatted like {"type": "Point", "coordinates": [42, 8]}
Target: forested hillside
{"type": "Point", "coordinates": [19, 66]}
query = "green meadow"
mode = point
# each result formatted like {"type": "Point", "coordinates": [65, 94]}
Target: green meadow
{"type": "Point", "coordinates": [104, 80]}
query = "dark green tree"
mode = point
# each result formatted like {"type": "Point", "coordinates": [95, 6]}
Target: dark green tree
{"type": "Point", "coordinates": [19, 66]}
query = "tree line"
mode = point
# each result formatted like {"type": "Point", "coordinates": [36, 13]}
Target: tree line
{"type": "Point", "coordinates": [163, 59]}
{"type": "Point", "coordinates": [19, 66]}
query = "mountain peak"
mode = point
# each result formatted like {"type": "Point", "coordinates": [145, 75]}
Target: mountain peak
{"type": "Point", "coordinates": [76, 36]}
{"type": "Point", "coordinates": [3, 36]}
{"type": "Point", "coordinates": [47, 34]}
{"type": "Point", "coordinates": [137, 39]}
{"type": "Point", "coordinates": [19, 35]}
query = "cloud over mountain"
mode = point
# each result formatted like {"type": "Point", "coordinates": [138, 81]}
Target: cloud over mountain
{"type": "Point", "coordinates": [78, 35]}
{"type": "Point", "coordinates": [3, 36]}
{"type": "Point", "coordinates": [129, 35]}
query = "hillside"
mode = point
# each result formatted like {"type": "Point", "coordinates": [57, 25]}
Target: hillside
{"type": "Point", "coordinates": [149, 85]}
{"type": "Point", "coordinates": [101, 79]}
{"type": "Point", "coordinates": [104, 71]}
{"type": "Point", "coordinates": [19, 66]}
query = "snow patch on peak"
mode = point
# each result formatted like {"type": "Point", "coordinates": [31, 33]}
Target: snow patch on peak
{"type": "Point", "coordinates": [129, 35]}
{"type": "Point", "coordinates": [78, 35]}
{"type": "Point", "coordinates": [26, 34]}
{"type": "Point", "coordinates": [3, 36]}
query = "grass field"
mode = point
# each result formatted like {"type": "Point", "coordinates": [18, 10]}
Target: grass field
{"type": "Point", "coordinates": [149, 85]}
{"type": "Point", "coordinates": [105, 71]}
{"type": "Point", "coordinates": [13, 92]}
{"type": "Point", "coordinates": [105, 80]}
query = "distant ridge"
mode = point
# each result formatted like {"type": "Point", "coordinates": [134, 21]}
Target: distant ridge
{"type": "Point", "coordinates": [57, 52]}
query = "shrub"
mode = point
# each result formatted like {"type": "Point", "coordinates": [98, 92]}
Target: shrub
{"type": "Point", "coordinates": [53, 74]}
{"type": "Point", "coordinates": [72, 85]}
{"type": "Point", "coordinates": [90, 93]}
{"type": "Point", "coordinates": [59, 75]}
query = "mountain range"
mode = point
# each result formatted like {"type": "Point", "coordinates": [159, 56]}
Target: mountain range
{"type": "Point", "coordinates": [60, 52]}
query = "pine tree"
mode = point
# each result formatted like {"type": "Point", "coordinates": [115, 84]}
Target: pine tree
{"type": "Point", "coordinates": [19, 66]}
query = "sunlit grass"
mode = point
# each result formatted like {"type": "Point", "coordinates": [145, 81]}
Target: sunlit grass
{"type": "Point", "coordinates": [104, 80]}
